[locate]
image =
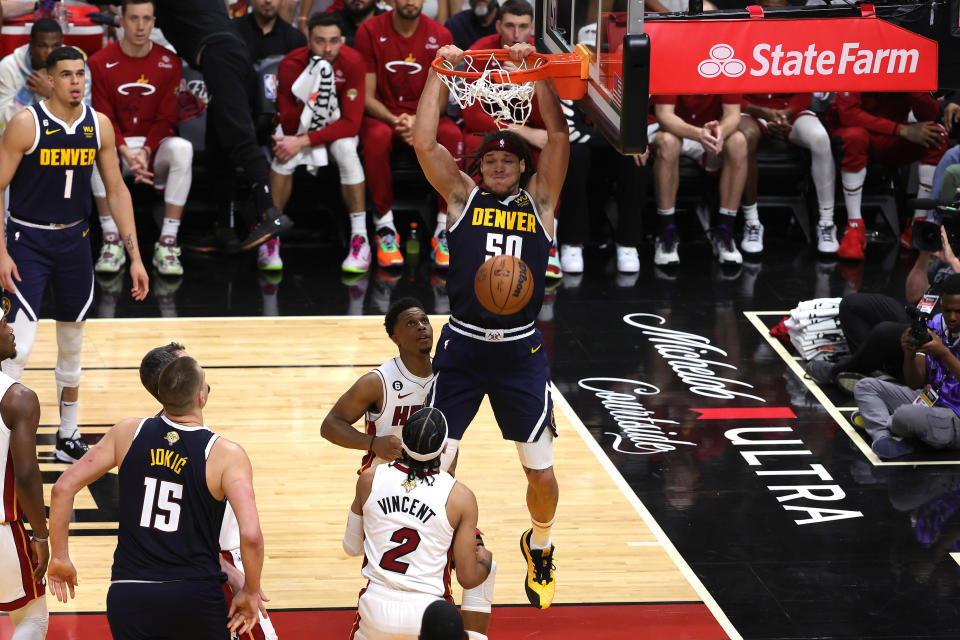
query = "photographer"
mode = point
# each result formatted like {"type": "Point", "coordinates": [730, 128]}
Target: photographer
{"type": "Point", "coordinates": [927, 408]}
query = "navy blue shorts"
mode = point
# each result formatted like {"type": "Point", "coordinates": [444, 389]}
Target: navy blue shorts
{"type": "Point", "coordinates": [182, 610]}
{"type": "Point", "coordinates": [61, 257]}
{"type": "Point", "coordinates": [514, 374]}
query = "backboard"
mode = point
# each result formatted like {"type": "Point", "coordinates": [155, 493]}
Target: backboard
{"type": "Point", "coordinates": [612, 32]}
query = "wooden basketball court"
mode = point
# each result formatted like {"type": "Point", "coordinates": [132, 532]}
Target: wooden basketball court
{"type": "Point", "coordinates": [273, 380]}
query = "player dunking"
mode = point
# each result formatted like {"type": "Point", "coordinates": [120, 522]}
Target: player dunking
{"type": "Point", "coordinates": [46, 156]}
{"type": "Point", "coordinates": [23, 559]}
{"type": "Point", "coordinates": [174, 475]}
{"type": "Point", "coordinates": [408, 517]}
{"type": "Point", "coordinates": [483, 353]}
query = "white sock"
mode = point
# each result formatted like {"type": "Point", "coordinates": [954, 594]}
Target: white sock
{"type": "Point", "coordinates": [925, 174]}
{"type": "Point", "coordinates": [68, 419]}
{"type": "Point", "coordinates": [441, 222]}
{"type": "Point", "coordinates": [171, 226]}
{"type": "Point", "coordinates": [386, 220]}
{"type": "Point", "coordinates": [750, 214]}
{"type": "Point", "coordinates": [540, 538]}
{"type": "Point", "coordinates": [853, 192]}
{"type": "Point", "coordinates": [358, 223]}
{"type": "Point", "coordinates": [108, 225]}
{"type": "Point", "coordinates": [728, 212]}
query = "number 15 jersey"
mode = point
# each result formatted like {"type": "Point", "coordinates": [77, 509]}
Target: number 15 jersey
{"type": "Point", "coordinates": [490, 227]}
{"type": "Point", "coordinates": [406, 534]}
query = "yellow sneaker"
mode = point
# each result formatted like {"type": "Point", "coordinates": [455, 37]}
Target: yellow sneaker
{"type": "Point", "coordinates": [540, 584]}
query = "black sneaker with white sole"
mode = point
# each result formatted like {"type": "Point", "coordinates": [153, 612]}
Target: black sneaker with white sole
{"type": "Point", "coordinates": [272, 224]}
{"type": "Point", "coordinates": [70, 450]}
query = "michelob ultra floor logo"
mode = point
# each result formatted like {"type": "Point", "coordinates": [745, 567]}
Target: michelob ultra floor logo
{"type": "Point", "coordinates": [789, 56]}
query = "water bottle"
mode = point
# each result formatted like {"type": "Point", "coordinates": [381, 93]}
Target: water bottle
{"type": "Point", "coordinates": [62, 16]}
{"type": "Point", "coordinates": [413, 243]}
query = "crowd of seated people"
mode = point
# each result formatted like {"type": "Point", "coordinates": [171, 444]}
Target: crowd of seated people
{"type": "Point", "coordinates": [371, 58]}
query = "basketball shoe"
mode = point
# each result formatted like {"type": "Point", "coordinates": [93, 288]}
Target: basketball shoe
{"type": "Point", "coordinates": [554, 270]}
{"type": "Point", "coordinates": [358, 258]}
{"type": "Point", "coordinates": [540, 584]}
{"type": "Point", "coordinates": [854, 241]}
{"type": "Point", "coordinates": [388, 253]}
{"type": "Point", "coordinates": [112, 258]}
{"type": "Point", "coordinates": [665, 248]}
{"type": "Point", "coordinates": [270, 224]}
{"type": "Point", "coordinates": [724, 248]}
{"type": "Point", "coordinates": [268, 255]}
{"type": "Point", "coordinates": [440, 250]}
{"type": "Point", "coordinates": [70, 449]}
{"type": "Point", "coordinates": [166, 257]}
{"type": "Point", "coordinates": [827, 238]}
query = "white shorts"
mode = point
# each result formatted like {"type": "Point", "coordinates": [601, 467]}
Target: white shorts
{"type": "Point", "coordinates": [388, 614]}
{"type": "Point", "coordinates": [709, 162]}
{"type": "Point", "coordinates": [17, 587]}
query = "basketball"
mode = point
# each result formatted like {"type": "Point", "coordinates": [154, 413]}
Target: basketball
{"type": "Point", "coordinates": [503, 285]}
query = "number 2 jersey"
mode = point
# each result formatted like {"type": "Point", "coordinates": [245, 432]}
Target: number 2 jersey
{"type": "Point", "coordinates": [52, 182]}
{"type": "Point", "coordinates": [403, 394]}
{"type": "Point", "coordinates": [407, 536]}
{"type": "Point", "coordinates": [169, 520]}
{"type": "Point", "coordinates": [489, 227]}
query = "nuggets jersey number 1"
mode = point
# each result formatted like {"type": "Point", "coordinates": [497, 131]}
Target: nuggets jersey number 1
{"type": "Point", "coordinates": [52, 183]}
{"type": "Point", "coordinates": [403, 393]}
{"type": "Point", "coordinates": [489, 227]}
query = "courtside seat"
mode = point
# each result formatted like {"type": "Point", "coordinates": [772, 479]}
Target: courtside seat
{"type": "Point", "coordinates": [411, 190]}
{"type": "Point", "coordinates": [784, 181]}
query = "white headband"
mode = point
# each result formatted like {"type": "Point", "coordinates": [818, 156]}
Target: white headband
{"type": "Point", "coordinates": [424, 457]}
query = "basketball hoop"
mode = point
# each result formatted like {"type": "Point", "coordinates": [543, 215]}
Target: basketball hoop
{"type": "Point", "coordinates": [506, 95]}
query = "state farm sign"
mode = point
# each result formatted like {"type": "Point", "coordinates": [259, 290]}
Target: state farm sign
{"type": "Point", "coordinates": [788, 56]}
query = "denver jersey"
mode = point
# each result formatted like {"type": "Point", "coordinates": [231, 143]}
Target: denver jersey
{"type": "Point", "coordinates": [403, 393]}
{"type": "Point", "coordinates": [169, 521]}
{"type": "Point", "coordinates": [9, 508]}
{"type": "Point", "coordinates": [52, 183]}
{"type": "Point", "coordinates": [490, 227]}
{"type": "Point", "coordinates": [406, 534]}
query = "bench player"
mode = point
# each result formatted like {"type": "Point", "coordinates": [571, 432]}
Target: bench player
{"type": "Point", "coordinates": [408, 518]}
{"type": "Point", "coordinates": [174, 477]}
{"type": "Point", "coordinates": [46, 156]}
{"type": "Point", "coordinates": [478, 348]}
{"type": "Point", "coordinates": [23, 559]}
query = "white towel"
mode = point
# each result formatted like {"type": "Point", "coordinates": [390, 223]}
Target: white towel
{"type": "Point", "coordinates": [317, 88]}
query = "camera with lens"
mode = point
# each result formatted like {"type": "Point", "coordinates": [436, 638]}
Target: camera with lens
{"type": "Point", "coordinates": [926, 234]}
{"type": "Point", "coordinates": [919, 315]}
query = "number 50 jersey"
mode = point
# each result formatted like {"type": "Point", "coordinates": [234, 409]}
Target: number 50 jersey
{"type": "Point", "coordinates": [406, 534]}
{"type": "Point", "coordinates": [169, 520]}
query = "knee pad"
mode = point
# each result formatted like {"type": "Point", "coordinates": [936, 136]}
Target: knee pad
{"type": "Point", "coordinates": [538, 455]}
{"type": "Point", "coordinates": [480, 598]}
{"type": "Point", "coordinates": [69, 346]}
{"type": "Point", "coordinates": [344, 152]}
{"type": "Point", "coordinates": [448, 455]}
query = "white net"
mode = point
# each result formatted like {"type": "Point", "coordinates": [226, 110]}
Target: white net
{"type": "Point", "coordinates": [507, 102]}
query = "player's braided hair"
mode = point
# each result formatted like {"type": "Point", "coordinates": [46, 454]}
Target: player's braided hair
{"type": "Point", "coordinates": [423, 433]}
{"type": "Point", "coordinates": [474, 160]}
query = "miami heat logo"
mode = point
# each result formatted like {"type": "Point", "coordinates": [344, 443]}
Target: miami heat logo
{"type": "Point", "coordinates": [141, 86]}
{"type": "Point", "coordinates": [408, 64]}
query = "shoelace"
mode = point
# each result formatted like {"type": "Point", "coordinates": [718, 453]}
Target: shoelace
{"type": "Point", "coordinates": [752, 232]}
{"type": "Point", "coordinates": [825, 232]}
{"type": "Point", "coordinates": [388, 242]}
{"type": "Point", "coordinates": [356, 245]}
{"type": "Point", "coordinates": [442, 241]}
{"type": "Point", "coordinates": [542, 568]}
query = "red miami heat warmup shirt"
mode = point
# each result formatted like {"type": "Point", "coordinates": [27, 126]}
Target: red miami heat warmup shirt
{"type": "Point", "coordinates": [139, 95]}
{"type": "Point", "coordinates": [401, 64]}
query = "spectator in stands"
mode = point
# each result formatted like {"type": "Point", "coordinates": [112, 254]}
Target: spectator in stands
{"type": "Point", "coordinates": [23, 77]}
{"type": "Point", "coordinates": [135, 84]}
{"type": "Point", "coordinates": [203, 35]}
{"type": "Point", "coordinates": [704, 128]}
{"type": "Point", "coordinates": [873, 126]}
{"type": "Point", "coordinates": [266, 33]}
{"type": "Point", "coordinates": [353, 14]}
{"type": "Point", "coordinates": [471, 24]}
{"type": "Point", "coordinates": [787, 116]}
{"type": "Point", "coordinates": [327, 124]}
{"type": "Point", "coordinates": [927, 409]}
{"type": "Point", "coordinates": [398, 48]}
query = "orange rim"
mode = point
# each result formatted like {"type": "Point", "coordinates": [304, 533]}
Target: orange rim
{"type": "Point", "coordinates": [558, 65]}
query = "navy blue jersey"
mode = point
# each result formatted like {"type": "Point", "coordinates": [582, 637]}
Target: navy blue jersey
{"type": "Point", "coordinates": [490, 227]}
{"type": "Point", "coordinates": [52, 183]}
{"type": "Point", "coordinates": [169, 521]}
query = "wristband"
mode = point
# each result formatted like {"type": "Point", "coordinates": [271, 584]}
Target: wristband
{"type": "Point", "coordinates": [36, 539]}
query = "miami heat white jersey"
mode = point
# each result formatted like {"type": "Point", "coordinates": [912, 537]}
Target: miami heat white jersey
{"type": "Point", "coordinates": [407, 536]}
{"type": "Point", "coordinates": [9, 506]}
{"type": "Point", "coordinates": [403, 393]}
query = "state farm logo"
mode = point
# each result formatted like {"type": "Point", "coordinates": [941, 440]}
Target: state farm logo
{"type": "Point", "coordinates": [775, 60]}
{"type": "Point", "coordinates": [721, 61]}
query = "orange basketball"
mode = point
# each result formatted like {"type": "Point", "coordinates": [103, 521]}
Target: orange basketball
{"type": "Point", "coordinates": [503, 284]}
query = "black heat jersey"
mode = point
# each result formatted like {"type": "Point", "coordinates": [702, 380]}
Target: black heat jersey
{"type": "Point", "coordinates": [490, 227]}
{"type": "Point", "coordinates": [169, 521]}
{"type": "Point", "coordinates": [52, 182]}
